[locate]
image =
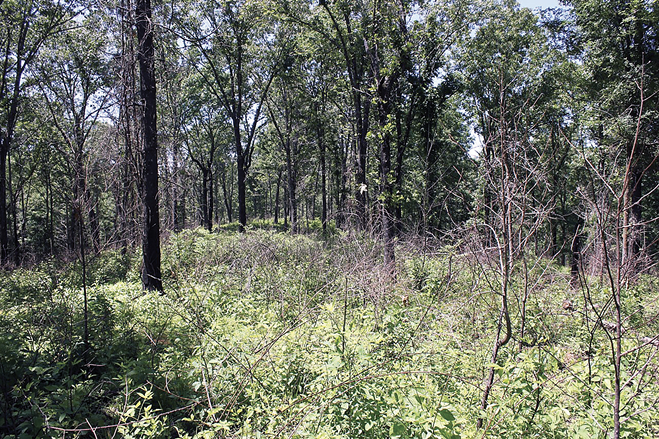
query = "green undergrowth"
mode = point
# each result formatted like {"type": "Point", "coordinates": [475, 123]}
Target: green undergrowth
{"type": "Point", "coordinates": [269, 335]}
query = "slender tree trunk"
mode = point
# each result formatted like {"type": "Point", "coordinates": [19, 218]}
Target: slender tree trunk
{"type": "Point", "coordinates": [242, 196]}
{"type": "Point", "coordinates": [575, 251]}
{"type": "Point", "coordinates": [242, 176]}
{"type": "Point", "coordinates": [292, 191]}
{"type": "Point", "coordinates": [631, 221]}
{"type": "Point", "coordinates": [151, 276]}
{"type": "Point", "coordinates": [204, 198]}
{"type": "Point", "coordinates": [6, 139]}
{"type": "Point", "coordinates": [176, 179]}
{"type": "Point", "coordinates": [227, 197]}
{"type": "Point", "coordinates": [4, 236]}
{"type": "Point", "coordinates": [342, 182]}
{"type": "Point", "coordinates": [14, 215]}
{"type": "Point", "coordinates": [95, 230]}
{"type": "Point", "coordinates": [277, 196]}
{"type": "Point", "coordinates": [211, 201]}
{"type": "Point", "coordinates": [49, 232]}
{"type": "Point", "coordinates": [323, 182]}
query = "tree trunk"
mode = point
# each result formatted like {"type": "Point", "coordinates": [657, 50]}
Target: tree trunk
{"type": "Point", "coordinates": [361, 116]}
{"type": "Point", "coordinates": [211, 201]}
{"type": "Point", "coordinates": [292, 191]}
{"type": "Point", "coordinates": [227, 197]}
{"type": "Point", "coordinates": [176, 220]}
{"type": "Point", "coordinates": [4, 236]}
{"type": "Point", "coordinates": [242, 196]}
{"type": "Point", "coordinates": [323, 183]}
{"type": "Point", "coordinates": [151, 276]}
{"type": "Point", "coordinates": [204, 198]}
{"type": "Point", "coordinates": [277, 196]}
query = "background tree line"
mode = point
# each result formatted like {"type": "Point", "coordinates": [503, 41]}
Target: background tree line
{"type": "Point", "coordinates": [395, 118]}
{"type": "Point", "coordinates": [518, 142]}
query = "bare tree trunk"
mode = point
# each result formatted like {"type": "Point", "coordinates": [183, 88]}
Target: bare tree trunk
{"type": "Point", "coordinates": [176, 181]}
{"type": "Point", "coordinates": [205, 211]}
{"type": "Point", "coordinates": [151, 276]}
{"type": "Point", "coordinates": [227, 197]}
{"type": "Point", "coordinates": [277, 196]}
{"type": "Point", "coordinates": [323, 182]}
{"type": "Point", "coordinates": [292, 193]}
{"type": "Point", "coordinates": [242, 193]}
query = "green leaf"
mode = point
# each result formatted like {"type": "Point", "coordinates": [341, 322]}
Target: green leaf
{"type": "Point", "coordinates": [447, 415]}
{"type": "Point", "coordinates": [397, 429]}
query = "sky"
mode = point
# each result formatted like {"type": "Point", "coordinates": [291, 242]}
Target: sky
{"type": "Point", "coordinates": [539, 3]}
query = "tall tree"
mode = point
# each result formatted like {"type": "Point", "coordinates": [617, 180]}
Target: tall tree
{"type": "Point", "coordinates": [619, 44]}
{"type": "Point", "coordinates": [238, 61]}
{"type": "Point", "coordinates": [73, 78]}
{"type": "Point", "coordinates": [205, 136]}
{"type": "Point", "coordinates": [151, 275]}
{"type": "Point", "coordinates": [504, 64]}
{"type": "Point", "coordinates": [347, 30]}
{"type": "Point", "coordinates": [25, 27]}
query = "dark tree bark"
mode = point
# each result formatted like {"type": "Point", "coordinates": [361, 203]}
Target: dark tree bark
{"type": "Point", "coordinates": [292, 188]}
{"type": "Point", "coordinates": [8, 134]}
{"type": "Point", "coordinates": [279, 172]}
{"type": "Point", "coordinates": [177, 218]}
{"type": "Point", "coordinates": [242, 193]}
{"type": "Point", "coordinates": [151, 275]}
{"type": "Point", "coordinates": [227, 194]}
{"type": "Point", "coordinates": [205, 210]}
{"type": "Point", "coordinates": [4, 236]}
{"type": "Point", "coordinates": [323, 183]}
{"type": "Point", "coordinates": [4, 158]}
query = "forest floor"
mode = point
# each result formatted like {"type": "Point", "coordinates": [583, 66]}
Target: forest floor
{"type": "Point", "coordinates": [268, 335]}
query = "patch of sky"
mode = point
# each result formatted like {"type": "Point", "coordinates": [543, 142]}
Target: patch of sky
{"type": "Point", "coordinates": [543, 4]}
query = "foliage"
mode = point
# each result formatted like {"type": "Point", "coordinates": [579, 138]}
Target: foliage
{"type": "Point", "coordinates": [263, 334]}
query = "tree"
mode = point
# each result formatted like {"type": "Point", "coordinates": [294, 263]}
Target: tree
{"type": "Point", "coordinates": [151, 275]}
{"type": "Point", "coordinates": [25, 27]}
{"type": "Point", "coordinates": [238, 61]}
{"type": "Point", "coordinates": [505, 64]}
{"type": "Point", "coordinates": [73, 78]}
{"type": "Point", "coordinates": [618, 42]}
{"type": "Point", "coordinates": [619, 46]}
{"type": "Point", "coordinates": [205, 135]}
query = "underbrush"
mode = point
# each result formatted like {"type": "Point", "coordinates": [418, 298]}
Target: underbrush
{"type": "Point", "coordinates": [268, 335]}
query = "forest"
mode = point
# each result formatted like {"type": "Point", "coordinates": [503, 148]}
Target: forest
{"type": "Point", "coordinates": [329, 219]}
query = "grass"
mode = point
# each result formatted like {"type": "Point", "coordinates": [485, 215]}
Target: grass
{"type": "Point", "coordinates": [268, 335]}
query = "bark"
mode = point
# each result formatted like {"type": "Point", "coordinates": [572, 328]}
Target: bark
{"type": "Point", "coordinates": [242, 198]}
{"type": "Point", "coordinates": [575, 250]}
{"type": "Point", "coordinates": [205, 211]}
{"type": "Point", "coordinates": [9, 134]}
{"type": "Point", "coordinates": [16, 253]}
{"type": "Point", "coordinates": [211, 201]}
{"type": "Point", "coordinates": [227, 197]}
{"type": "Point", "coordinates": [631, 221]}
{"type": "Point", "coordinates": [292, 189]}
{"type": "Point", "coordinates": [176, 216]}
{"type": "Point", "coordinates": [4, 236]}
{"type": "Point", "coordinates": [277, 196]}
{"type": "Point", "coordinates": [151, 276]}
{"type": "Point", "coordinates": [352, 50]}
{"type": "Point", "coordinates": [323, 183]}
